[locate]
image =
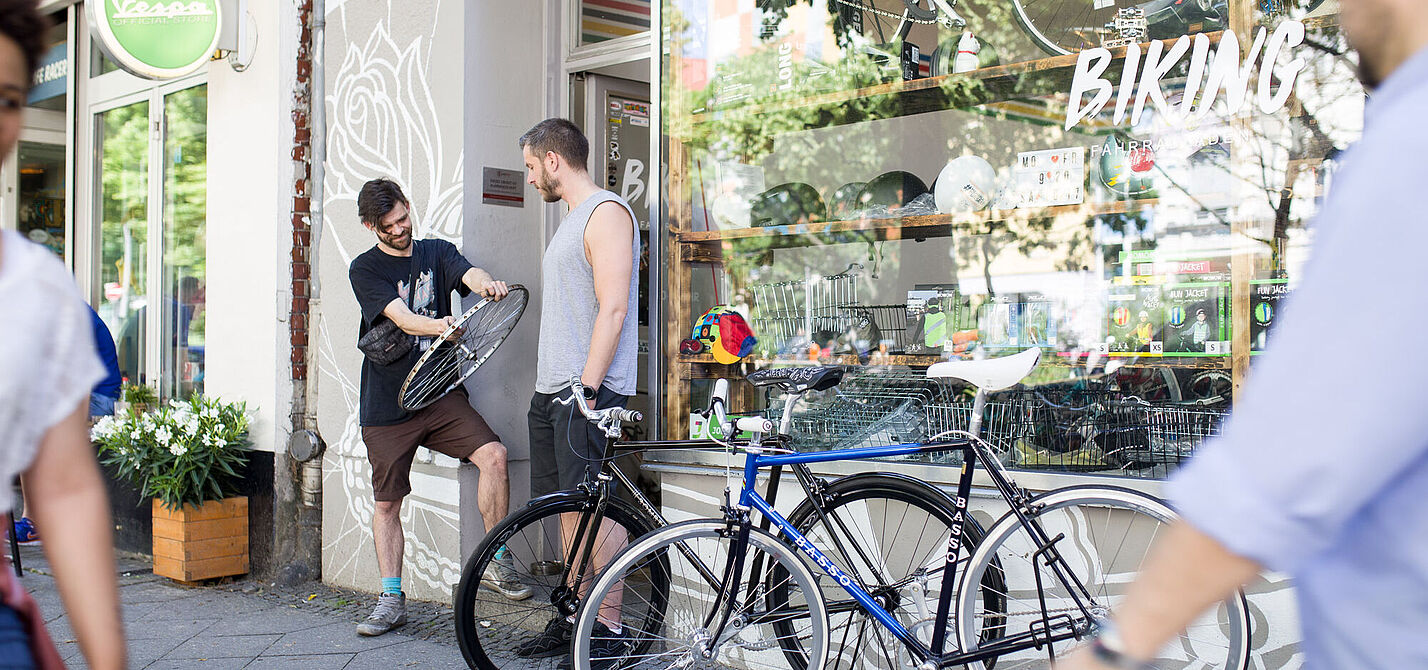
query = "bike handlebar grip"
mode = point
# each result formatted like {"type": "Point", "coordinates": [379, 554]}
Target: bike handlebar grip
{"type": "Point", "coordinates": [753, 424]}
{"type": "Point", "coordinates": [631, 415]}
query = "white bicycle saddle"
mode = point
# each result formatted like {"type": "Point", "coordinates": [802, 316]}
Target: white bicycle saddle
{"type": "Point", "coordinates": [992, 374]}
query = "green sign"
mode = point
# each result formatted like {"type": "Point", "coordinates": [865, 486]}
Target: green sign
{"type": "Point", "coordinates": [156, 39]}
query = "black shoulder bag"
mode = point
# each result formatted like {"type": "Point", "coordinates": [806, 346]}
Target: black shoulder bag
{"type": "Point", "coordinates": [385, 343]}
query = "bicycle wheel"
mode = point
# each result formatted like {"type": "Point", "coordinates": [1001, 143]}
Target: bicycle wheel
{"type": "Point", "coordinates": [880, 21]}
{"type": "Point", "coordinates": [890, 533]}
{"type": "Point", "coordinates": [680, 639]}
{"type": "Point", "coordinates": [462, 348]}
{"type": "Point", "coordinates": [490, 627]}
{"type": "Point", "coordinates": [1107, 534]}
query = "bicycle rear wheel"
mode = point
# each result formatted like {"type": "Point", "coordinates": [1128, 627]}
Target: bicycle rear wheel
{"type": "Point", "coordinates": [1108, 533]}
{"type": "Point", "coordinates": [890, 533]}
{"type": "Point", "coordinates": [681, 638]}
{"type": "Point", "coordinates": [880, 21]}
{"type": "Point", "coordinates": [462, 348]}
{"type": "Point", "coordinates": [490, 626]}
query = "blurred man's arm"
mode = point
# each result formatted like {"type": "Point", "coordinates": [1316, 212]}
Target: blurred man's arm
{"type": "Point", "coordinates": [1186, 573]}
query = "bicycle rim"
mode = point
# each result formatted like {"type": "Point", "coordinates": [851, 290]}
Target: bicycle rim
{"type": "Point", "coordinates": [891, 534]}
{"type": "Point", "coordinates": [447, 363]}
{"type": "Point", "coordinates": [749, 642]}
{"type": "Point", "coordinates": [490, 627]}
{"type": "Point", "coordinates": [1108, 533]}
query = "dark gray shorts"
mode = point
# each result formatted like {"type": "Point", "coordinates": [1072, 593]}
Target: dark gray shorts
{"type": "Point", "coordinates": [565, 446]}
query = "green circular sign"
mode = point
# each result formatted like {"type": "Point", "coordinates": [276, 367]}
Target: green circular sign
{"type": "Point", "coordinates": [156, 39]}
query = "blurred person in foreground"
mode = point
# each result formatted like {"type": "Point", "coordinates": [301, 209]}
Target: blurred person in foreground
{"type": "Point", "coordinates": [48, 369]}
{"type": "Point", "coordinates": [1323, 469]}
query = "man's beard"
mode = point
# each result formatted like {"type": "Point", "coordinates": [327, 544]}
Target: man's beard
{"type": "Point", "coordinates": [398, 242]}
{"type": "Point", "coordinates": [548, 188]}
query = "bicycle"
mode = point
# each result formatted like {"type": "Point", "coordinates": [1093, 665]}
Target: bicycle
{"type": "Point", "coordinates": [1060, 557]}
{"type": "Point", "coordinates": [1058, 27]}
{"type": "Point", "coordinates": [838, 515]}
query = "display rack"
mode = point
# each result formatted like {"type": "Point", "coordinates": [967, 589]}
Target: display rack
{"type": "Point", "coordinates": [695, 242]}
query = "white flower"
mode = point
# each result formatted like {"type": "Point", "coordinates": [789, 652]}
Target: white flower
{"type": "Point", "coordinates": [103, 429]}
{"type": "Point", "coordinates": [163, 435]}
{"type": "Point", "coordinates": [220, 442]}
{"type": "Point", "coordinates": [178, 449]}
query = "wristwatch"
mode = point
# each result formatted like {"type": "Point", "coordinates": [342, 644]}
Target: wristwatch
{"type": "Point", "coordinates": [1110, 650]}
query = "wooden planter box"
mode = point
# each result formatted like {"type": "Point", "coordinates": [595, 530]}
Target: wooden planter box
{"type": "Point", "coordinates": [203, 542]}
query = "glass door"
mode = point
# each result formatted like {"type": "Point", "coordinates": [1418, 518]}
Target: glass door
{"type": "Point", "coordinates": [185, 217]}
{"type": "Point", "coordinates": [151, 177]}
{"type": "Point", "coordinates": [39, 205]}
{"type": "Point", "coordinates": [122, 209]}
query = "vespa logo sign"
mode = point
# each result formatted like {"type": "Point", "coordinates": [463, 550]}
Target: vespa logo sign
{"type": "Point", "coordinates": [156, 39]}
{"type": "Point", "coordinates": [1208, 78]}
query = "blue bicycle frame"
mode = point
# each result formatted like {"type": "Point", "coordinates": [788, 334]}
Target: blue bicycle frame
{"type": "Point", "coordinates": [749, 499]}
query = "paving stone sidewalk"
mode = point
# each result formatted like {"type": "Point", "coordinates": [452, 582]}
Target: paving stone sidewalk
{"type": "Point", "coordinates": [249, 624]}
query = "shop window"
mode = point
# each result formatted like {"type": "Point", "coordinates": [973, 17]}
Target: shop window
{"type": "Point", "coordinates": [882, 185]}
{"type": "Point", "coordinates": [40, 205]}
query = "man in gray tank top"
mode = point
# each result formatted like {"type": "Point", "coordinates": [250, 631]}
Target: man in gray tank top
{"type": "Point", "coordinates": [588, 329]}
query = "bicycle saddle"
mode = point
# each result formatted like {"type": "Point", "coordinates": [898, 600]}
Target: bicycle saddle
{"type": "Point", "coordinates": [992, 374]}
{"type": "Point", "coordinates": [798, 380]}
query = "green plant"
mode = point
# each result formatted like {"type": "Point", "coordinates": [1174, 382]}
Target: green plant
{"type": "Point", "coordinates": [185, 453]}
{"type": "Point", "coordinates": [139, 394]}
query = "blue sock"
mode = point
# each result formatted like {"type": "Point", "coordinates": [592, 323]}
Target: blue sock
{"type": "Point", "coordinates": [392, 585]}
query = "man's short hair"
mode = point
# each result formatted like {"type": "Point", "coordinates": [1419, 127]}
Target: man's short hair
{"type": "Point", "coordinates": [562, 137]}
{"type": "Point", "coordinates": [377, 198]}
{"type": "Point", "coordinates": [23, 23]}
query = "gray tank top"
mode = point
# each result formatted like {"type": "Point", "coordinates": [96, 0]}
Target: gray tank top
{"type": "Point", "coordinates": [568, 307]}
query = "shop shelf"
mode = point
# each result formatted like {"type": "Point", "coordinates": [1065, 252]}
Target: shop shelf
{"type": "Point", "coordinates": [1062, 361]}
{"type": "Point", "coordinates": [909, 227]}
{"type": "Point", "coordinates": [930, 94]}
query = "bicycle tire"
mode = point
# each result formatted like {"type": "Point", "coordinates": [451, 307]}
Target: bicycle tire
{"type": "Point", "coordinates": [462, 348]}
{"type": "Point", "coordinates": [907, 535]}
{"type": "Point", "coordinates": [874, 19]}
{"type": "Point", "coordinates": [691, 597]}
{"type": "Point", "coordinates": [488, 641]}
{"type": "Point", "coordinates": [1094, 519]}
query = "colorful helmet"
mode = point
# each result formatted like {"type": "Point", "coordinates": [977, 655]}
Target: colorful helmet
{"type": "Point", "coordinates": [725, 333]}
{"type": "Point", "coordinates": [1127, 172]}
{"type": "Point", "coordinates": [966, 184]}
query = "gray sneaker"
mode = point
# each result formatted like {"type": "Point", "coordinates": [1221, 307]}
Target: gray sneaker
{"type": "Point", "coordinates": [391, 612]}
{"type": "Point", "coordinates": [504, 579]}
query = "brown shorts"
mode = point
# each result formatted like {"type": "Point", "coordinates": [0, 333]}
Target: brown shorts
{"type": "Point", "coordinates": [449, 426]}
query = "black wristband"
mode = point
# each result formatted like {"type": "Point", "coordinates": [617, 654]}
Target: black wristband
{"type": "Point", "coordinates": [589, 392]}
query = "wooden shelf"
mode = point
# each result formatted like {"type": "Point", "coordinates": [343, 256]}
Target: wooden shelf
{"type": "Point", "coordinates": [907, 228]}
{"type": "Point", "coordinates": [1003, 79]}
{"type": "Point", "coordinates": [1050, 360]}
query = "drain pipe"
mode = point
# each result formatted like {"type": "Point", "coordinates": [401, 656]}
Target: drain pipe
{"type": "Point", "coordinates": [317, 121]}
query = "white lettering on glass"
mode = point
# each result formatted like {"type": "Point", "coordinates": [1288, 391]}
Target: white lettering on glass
{"type": "Point", "coordinates": [1225, 70]}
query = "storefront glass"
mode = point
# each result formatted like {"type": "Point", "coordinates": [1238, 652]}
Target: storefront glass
{"type": "Point", "coordinates": [185, 228]}
{"type": "Point", "coordinates": [122, 141]}
{"type": "Point", "coordinates": [884, 184]}
{"type": "Point", "coordinates": [40, 206]}
{"type": "Point", "coordinates": [602, 20]}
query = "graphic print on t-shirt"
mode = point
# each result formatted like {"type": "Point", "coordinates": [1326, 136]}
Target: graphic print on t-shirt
{"type": "Point", "coordinates": [423, 303]}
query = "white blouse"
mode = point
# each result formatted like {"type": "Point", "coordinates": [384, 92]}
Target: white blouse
{"type": "Point", "coordinates": [48, 363]}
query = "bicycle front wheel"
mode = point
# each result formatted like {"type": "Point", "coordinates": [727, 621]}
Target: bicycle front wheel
{"type": "Point", "coordinates": [694, 555]}
{"type": "Point", "coordinates": [891, 534]}
{"type": "Point", "coordinates": [515, 582]}
{"type": "Point", "coordinates": [1107, 534]}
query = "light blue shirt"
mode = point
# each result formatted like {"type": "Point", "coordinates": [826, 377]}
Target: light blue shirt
{"type": "Point", "coordinates": [1322, 472]}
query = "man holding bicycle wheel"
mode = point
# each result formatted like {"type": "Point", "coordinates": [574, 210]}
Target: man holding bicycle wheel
{"type": "Point", "coordinates": [1332, 495]}
{"type": "Point", "coordinates": [409, 282]}
{"type": "Point", "coordinates": [588, 328]}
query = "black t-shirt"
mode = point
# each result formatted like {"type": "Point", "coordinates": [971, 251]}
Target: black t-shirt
{"type": "Point", "coordinates": [377, 279]}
